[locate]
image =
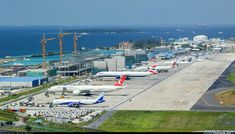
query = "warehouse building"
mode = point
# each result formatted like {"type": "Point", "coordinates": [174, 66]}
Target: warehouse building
{"type": "Point", "coordinates": [112, 64]}
{"type": "Point", "coordinates": [200, 38]}
{"type": "Point", "coordinates": [115, 63]}
{"type": "Point", "coordinates": [164, 55]}
{"type": "Point", "coordinates": [21, 82]}
{"type": "Point", "coordinates": [119, 62]}
{"type": "Point", "coordinates": [101, 64]}
{"type": "Point", "coordinates": [157, 50]}
{"type": "Point", "coordinates": [134, 52]}
{"type": "Point", "coordinates": [140, 57]}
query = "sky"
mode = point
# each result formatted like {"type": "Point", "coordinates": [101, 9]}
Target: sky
{"type": "Point", "coordinates": [117, 12]}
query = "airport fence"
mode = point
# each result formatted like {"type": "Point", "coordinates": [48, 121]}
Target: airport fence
{"type": "Point", "coordinates": [90, 130]}
{"type": "Point", "coordinates": [37, 128]}
{"type": "Point", "coordinates": [54, 127]}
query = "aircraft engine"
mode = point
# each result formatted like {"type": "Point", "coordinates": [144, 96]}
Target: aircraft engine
{"type": "Point", "coordinates": [75, 92]}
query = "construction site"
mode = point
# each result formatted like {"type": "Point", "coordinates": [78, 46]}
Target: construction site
{"type": "Point", "coordinates": [74, 64]}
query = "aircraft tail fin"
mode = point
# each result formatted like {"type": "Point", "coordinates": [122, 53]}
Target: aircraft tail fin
{"type": "Point", "coordinates": [120, 81]}
{"type": "Point", "coordinates": [154, 65]}
{"type": "Point", "coordinates": [100, 98]}
{"type": "Point", "coordinates": [153, 71]}
{"type": "Point", "coordinates": [174, 64]}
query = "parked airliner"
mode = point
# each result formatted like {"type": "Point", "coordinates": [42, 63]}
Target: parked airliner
{"type": "Point", "coordinates": [126, 73]}
{"type": "Point", "coordinates": [145, 68]}
{"type": "Point", "coordinates": [87, 89]}
{"type": "Point", "coordinates": [157, 67]}
{"type": "Point", "coordinates": [76, 103]}
{"type": "Point", "coordinates": [165, 68]}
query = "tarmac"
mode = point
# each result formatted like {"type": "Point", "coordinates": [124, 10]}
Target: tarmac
{"type": "Point", "coordinates": [183, 89]}
{"type": "Point", "coordinates": [114, 98]}
{"type": "Point", "coordinates": [177, 89]}
{"type": "Point", "coordinates": [207, 102]}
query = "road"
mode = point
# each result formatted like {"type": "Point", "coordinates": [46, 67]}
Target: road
{"type": "Point", "coordinates": [99, 121]}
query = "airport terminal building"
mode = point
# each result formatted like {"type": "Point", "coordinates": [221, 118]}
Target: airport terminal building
{"type": "Point", "coordinates": [20, 82]}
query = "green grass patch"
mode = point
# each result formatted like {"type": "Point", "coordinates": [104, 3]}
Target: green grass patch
{"type": "Point", "coordinates": [54, 127]}
{"type": "Point", "coordinates": [14, 129]}
{"type": "Point", "coordinates": [51, 128]}
{"type": "Point", "coordinates": [47, 126]}
{"type": "Point", "coordinates": [7, 116]}
{"type": "Point", "coordinates": [168, 121]}
{"type": "Point", "coordinates": [231, 77]}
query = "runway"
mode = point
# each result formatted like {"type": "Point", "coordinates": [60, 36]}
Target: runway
{"type": "Point", "coordinates": [183, 89]}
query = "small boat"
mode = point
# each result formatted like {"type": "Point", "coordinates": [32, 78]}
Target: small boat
{"type": "Point", "coordinates": [83, 48]}
{"type": "Point", "coordinates": [18, 64]}
{"type": "Point", "coordinates": [84, 33]}
{"type": "Point", "coordinates": [26, 59]}
{"type": "Point", "coordinates": [7, 57]}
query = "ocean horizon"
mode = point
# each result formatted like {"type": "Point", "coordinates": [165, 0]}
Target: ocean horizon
{"type": "Point", "coordinates": [25, 40]}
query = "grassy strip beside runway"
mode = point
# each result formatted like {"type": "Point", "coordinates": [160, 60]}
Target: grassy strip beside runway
{"type": "Point", "coordinates": [227, 97]}
{"type": "Point", "coordinates": [7, 116]}
{"type": "Point", "coordinates": [168, 121]}
{"type": "Point", "coordinates": [231, 77]}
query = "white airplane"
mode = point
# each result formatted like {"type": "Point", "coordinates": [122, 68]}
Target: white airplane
{"type": "Point", "coordinates": [165, 68]}
{"type": "Point", "coordinates": [76, 103]}
{"type": "Point", "coordinates": [158, 68]}
{"type": "Point", "coordinates": [87, 89]}
{"type": "Point", "coordinates": [145, 68]}
{"type": "Point", "coordinates": [126, 73]}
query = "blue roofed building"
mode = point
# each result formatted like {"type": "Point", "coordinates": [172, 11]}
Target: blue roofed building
{"type": "Point", "coordinates": [161, 52]}
{"type": "Point", "coordinates": [21, 81]}
{"type": "Point", "coordinates": [157, 50]}
{"type": "Point", "coordinates": [165, 55]}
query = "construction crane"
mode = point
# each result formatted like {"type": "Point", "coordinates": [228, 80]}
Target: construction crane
{"type": "Point", "coordinates": [43, 43]}
{"type": "Point", "coordinates": [75, 42]}
{"type": "Point", "coordinates": [61, 44]}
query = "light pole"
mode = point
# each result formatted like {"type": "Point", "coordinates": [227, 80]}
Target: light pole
{"type": "Point", "coordinates": [10, 88]}
{"type": "Point", "coordinates": [28, 87]}
{"type": "Point", "coordinates": [92, 67]}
